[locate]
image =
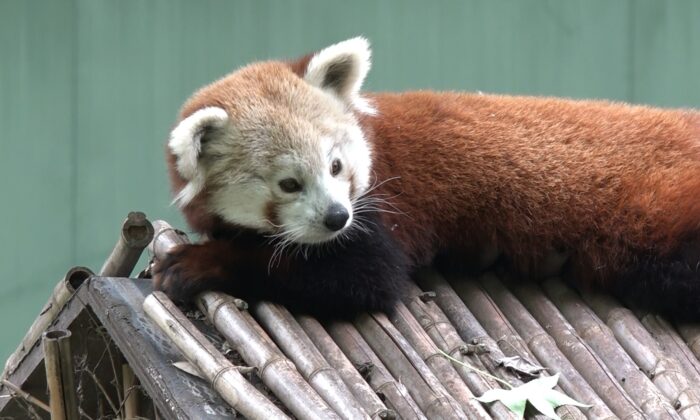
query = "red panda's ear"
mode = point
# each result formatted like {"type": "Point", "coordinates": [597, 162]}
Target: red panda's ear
{"type": "Point", "coordinates": [341, 69]}
{"type": "Point", "coordinates": [185, 144]}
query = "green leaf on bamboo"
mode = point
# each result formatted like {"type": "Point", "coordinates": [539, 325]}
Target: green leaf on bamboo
{"type": "Point", "coordinates": [540, 393]}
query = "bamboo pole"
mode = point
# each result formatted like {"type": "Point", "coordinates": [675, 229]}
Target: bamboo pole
{"type": "Point", "coordinates": [545, 349]}
{"type": "Point", "coordinates": [672, 343]}
{"type": "Point", "coordinates": [691, 334]}
{"type": "Point", "coordinates": [58, 361]}
{"type": "Point", "coordinates": [579, 353]}
{"type": "Point", "coordinates": [369, 400]}
{"type": "Point", "coordinates": [136, 234]}
{"type": "Point", "coordinates": [223, 376]}
{"type": "Point", "coordinates": [601, 339]}
{"type": "Point", "coordinates": [403, 362]}
{"type": "Point", "coordinates": [445, 336]}
{"type": "Point", "coordinates": [61, 294]}
{"type": "Point", "coordinates": [466, 324]}
{"type": "Point", "coordinates": [130, 392]}
{"type": "Point", "coordinates": [276, 371]}
{"type": "Point", "coordinates": [665, 372]}
{"type": "Point", "coordinates": [287, 333]}
{"type": "Point", "coordinates": [440, 366]}
{"type": "Point", "coordinates": [497, 325]}
{"type": "Point", "coordinates": [371, 367]}
{"type": "Point", "coordinates": [239, 329]}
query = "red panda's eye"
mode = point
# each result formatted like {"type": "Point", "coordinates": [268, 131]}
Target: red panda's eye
{"type": "Point", "coordinates": [336, 167]}
{"type": "Point", "coordinates": [290, 185]}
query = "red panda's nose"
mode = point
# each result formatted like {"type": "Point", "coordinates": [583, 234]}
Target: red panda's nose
{"type": "Point", "coordinates": [336, 217]}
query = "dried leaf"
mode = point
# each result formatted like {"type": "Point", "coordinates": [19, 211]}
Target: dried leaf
{"type": "Point", "coordinates": [538, 392]}
{"type": "Point", "coordinates": [522, 366]}
{"type": "Point", "coordinates": [188, 368]}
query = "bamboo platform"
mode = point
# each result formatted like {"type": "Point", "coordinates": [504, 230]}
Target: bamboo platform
{"type": "Point", "coordinates": [262, 361]}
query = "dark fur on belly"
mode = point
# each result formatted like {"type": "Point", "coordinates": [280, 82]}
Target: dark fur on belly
{"type": "Point", "coordinates": [364, 272]}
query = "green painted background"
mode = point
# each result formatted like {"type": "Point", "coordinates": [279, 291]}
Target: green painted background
{"type": "Point", "coordinates": [89, 89]}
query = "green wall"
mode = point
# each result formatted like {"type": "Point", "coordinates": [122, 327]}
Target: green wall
{"type": "Point", "coordinates": [89, 89]}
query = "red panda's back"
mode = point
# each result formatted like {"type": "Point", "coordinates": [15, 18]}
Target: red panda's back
{"type": "Point", "coordinates": [534, 174]}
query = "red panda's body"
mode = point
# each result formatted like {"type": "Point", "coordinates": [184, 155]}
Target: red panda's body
{"type": "Point", "coordinates": [599, 180]}
{"type": "Point", "coordinates": [614, 187]}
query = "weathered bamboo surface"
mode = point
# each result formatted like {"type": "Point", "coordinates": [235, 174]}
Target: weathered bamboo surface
{"type": "Point", "coordinates": [223, 376]}
{"type": "Point", "coordinates": [60, 376]}
{"type": "Point", "coordinates": [626, 364]}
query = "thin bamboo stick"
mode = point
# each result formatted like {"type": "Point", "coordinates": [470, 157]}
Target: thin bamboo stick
{"type": "Point", "coordinates": [402, 361]}
{"type": "Point", "coordinates": [358, 386]}
{"type": "Point", "coordinates": [545, 349]}
{"type": "Point", "coordinates": [466, 324]}
{"type": "Point", "coordinates": [275, 370]}
{"type": "Point", "coordinates": [672, 343]}
{"type": "Point", "coordinates": [365, 360]}
{"type": "Point", "coordinates": [579, 353]}
{"type": "Point", "coordinates": [223, 376]}
{"type": "Point", "coordinates": [136, 234]}
{"type": "Point", "coordinates": [445, 336]}
{"type": "Point", "coordinates": [601, 339]}
{"type": "Point", "coordinates": [26, 396]}
{"type": "Point", "coordinates": [497, 325]}
{"type": "Point", "coordinates": [129, 386]}
{"type": "Point", "coordinates": [691, 334]}
{"type": "Point", "coordinates": [298, 347]}
{"type": "Point", "coordinates": [665, 372]}
{"type": "Point", "coordinates": [61, 293]}
{"type": "Point", "coordinates": [440, 366]}
{"type": "Point", "coordinates": [58, 361]}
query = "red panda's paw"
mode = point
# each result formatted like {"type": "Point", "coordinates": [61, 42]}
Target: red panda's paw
{"type": "Point", "coordinates": [187, 271]}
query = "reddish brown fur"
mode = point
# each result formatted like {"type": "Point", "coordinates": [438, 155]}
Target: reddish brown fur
{"type": "Point", "coordinates": [535, 174]}
{"type": "Point", "coordinates": [605, 182]}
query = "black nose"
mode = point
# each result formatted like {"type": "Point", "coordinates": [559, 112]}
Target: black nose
{"type": "Point", "coordinates": [336, 217]}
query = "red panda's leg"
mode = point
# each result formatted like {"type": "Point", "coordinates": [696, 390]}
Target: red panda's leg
{"type": "Point", "coordinates": [215, 265]}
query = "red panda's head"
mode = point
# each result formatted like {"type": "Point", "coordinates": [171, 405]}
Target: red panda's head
{"type": "Point", "coordinates": [279, 151]}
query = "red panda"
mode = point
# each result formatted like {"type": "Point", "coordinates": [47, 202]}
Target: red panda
{"type": "Point", "coordinates": [319, 197]}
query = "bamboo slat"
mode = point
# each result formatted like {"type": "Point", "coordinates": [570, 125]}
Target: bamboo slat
{"type": "Point", "coordinates": [276, 371]}
{"type": "Point", "coordinates": [287, 333]}
{"type": "Point", "coordinates": [497, 325]}
{"type": "Point", "coordinates": [444, 335]}
{"type": "Point", "coordinates": [441, 367]}
{"type": "Point", "coordinates": [543, 346]}
{"type": "Point", "coordinates": [402, 361]}
{"type": "Point", "coordinates": [665, 372]}
{"type": "Point", "coordinates": [60, 295]}
{"type": "Point", "coordinates": [672, 343]}
{"type": "Point", "coordinates": [601, 339]}
{"type": "Point", "coordinates": [60, 377]}
{"type": "Point", "coordinates": [466, 324]}
{"type": "Point", "coordinates": [369, 400]}
{"type": "Point", "coordinates": [395, 394]}
{"type": "Point", "coordinates": [213, 366]}
{"type": "Point", "coordinates": [579, 353]}
{"type": "Point", "coordinates": [130, 392]}
{"type": "Point", "coordinates": [136, 234]}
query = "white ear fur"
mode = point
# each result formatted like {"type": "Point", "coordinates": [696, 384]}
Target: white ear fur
{"type": "Point", "coordinates": [342, 68]}
{"type": "Point", "coordinates": [185, 143]}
